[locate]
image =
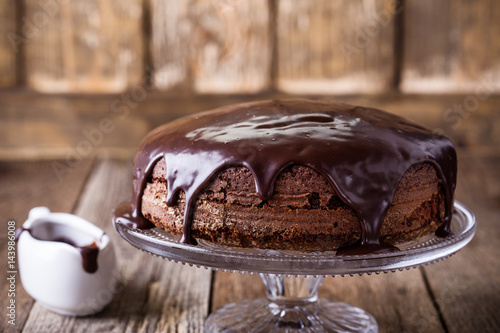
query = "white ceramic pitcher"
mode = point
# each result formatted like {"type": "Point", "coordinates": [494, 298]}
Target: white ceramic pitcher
{"type": "Point", "coordinates": [58, 264]}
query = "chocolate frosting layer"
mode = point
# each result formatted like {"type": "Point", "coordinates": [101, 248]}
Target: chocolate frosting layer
{"type": "Point", "coordinates": [363, 152]}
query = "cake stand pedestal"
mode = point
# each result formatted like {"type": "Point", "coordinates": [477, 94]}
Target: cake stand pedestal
{"type": "Point", "coordinates": [292, 304]}
{"type": "Point", "coordinates": [292, 278]}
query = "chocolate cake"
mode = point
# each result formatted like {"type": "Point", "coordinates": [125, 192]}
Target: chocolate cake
{"type": "Point", "coordinates": [294, 174]}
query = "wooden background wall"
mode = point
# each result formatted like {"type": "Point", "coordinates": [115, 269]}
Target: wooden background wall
{"type": "Point", "coordinates": [240, 46]}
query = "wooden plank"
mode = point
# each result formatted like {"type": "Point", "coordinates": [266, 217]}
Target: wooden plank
{"type": "Point", "coordinates": [51, 126]}
{"type": "Point", "coordinates": [396, 300]}
{"type": "Point", "coordinates": [84, 46]}
{"type": "Point", "coordinates": [41, 126]}
{"type": "Point", "coordinates": [466, 287]}
{"type": "Point", "coordinates": [8, 52]}
{"type": "Point", "coordinates": [155, 295]}
{"type": "Point", "coordinates": [218, 47]}
{"type": "Point", "coordinates": [234, 51]}
{"type": "Point", "coordinates": [169, 46]}
{"type": "Point", "coordinates": [234, 287]}
{"type": "Point", "coordinates": [335, 47]}
{"type": "Point", "coordinates": [25, 185]}
{"type": "Point", "coordinates": [451, 46]}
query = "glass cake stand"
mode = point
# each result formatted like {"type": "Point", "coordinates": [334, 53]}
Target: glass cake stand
{"type": "Point", "coordinates": [292, 278]}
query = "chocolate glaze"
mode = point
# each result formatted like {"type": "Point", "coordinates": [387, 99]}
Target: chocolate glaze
{"type": "Point", "coordinates": [363, 152]}
{"type": "Point", "coordinates": [89, 252]}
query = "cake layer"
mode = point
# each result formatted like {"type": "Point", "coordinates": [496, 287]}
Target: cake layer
{"type": "Point", "coordinates": [304, 212]}
{"type": "Point", "coordinates": [294, 174]}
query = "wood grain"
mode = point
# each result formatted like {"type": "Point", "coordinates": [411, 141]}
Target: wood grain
{"type": "Point", "coordinates": [57, 126]}
{"type": "Point", "coordinates": [43, 126]}
{"type": "Point", "coordinates": [169, 45]}
{"type": "Point", "coordinates": [154, 295]}
{"type": "Point", "coordinates": [84, 46]}
{"type": "Point", "coordinates": [26, 185]}
{"type": "Point", "coordinates": [451, 46]}
{"type": "Point", "coordinates": [396, 300]}
{"type": "Point", "coordinates": [8, 52]}
{"type": "Point", "coordinates": [211, 46]}
{"type": "Point", "coordinates": [234, 287]}
{"type": "Point", "coordinates": [466, 287]}
{"type": "Point", "coordinates": [335, 47]}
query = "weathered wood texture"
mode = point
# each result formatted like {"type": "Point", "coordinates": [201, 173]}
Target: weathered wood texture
{"type": "Point", "coordinates": [53, 125]}
{"type": "Point", "coordinates": [466, 287]}
{"type": "Point", "coordinates": [392, 298]}
{"type": "Point", "coordinates": [326, 47]}
{"type": "Point", "coordinates": [84, 46]}
{"type": "Point", "coordinates": [25, 185]}
{"type": "Point", "coordinates": [154, 295]}
{"type": "Point", "coordinates": [211, 46]}
{"type": "Point", "coordinates": [7, 50]}
{"type": "Point", "coordinates": [234, 287]}
{"type": "Point", "coordinates": [236, 46]}
{"type": "Point", "coordinates": [40, 126]}
{"type": "Point", "coordinates": [451, 46]}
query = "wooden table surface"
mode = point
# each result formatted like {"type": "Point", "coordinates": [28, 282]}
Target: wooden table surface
{"type": "Point", "coordinates": [459, 294]}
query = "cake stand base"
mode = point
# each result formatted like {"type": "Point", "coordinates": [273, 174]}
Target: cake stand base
{"type": "Point", "coordinates": [292, 304]}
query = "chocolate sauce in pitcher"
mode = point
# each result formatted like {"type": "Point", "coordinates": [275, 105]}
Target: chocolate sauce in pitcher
{"type": "Point", "coordinates": [89, 253]}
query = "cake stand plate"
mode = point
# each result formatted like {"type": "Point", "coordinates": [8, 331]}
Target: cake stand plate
{"type": "Point", "coordinates": [292, 278]}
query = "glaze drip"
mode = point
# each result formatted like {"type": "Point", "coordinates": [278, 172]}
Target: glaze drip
{"type": "Point", "coordinates": [363, 153]}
